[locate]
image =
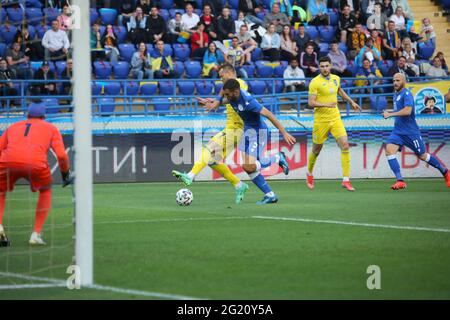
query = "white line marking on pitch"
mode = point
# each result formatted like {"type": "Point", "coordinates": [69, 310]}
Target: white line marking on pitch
{"type": "Point", "coordinates": [359, 224]}
{"type": "Point", "coordinates": [61, 283]}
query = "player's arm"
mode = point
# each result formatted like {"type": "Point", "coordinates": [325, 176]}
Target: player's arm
{"type": "Point", "coordinates": [346, 98]}
{"type": "Point", "coordinates": [57, 145]}
{"type": "Point", "coordinates": [406, 111]}
{"type": "Point", "coordinates": [211, 104]}
{"type": "Point", "coordinates": [269, 115]}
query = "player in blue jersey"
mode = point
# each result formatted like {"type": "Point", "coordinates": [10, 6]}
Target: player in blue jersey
{"type": "Point", "coordinates": [406, 133]}
{"type": "Point", "coordinates": [256, 135]}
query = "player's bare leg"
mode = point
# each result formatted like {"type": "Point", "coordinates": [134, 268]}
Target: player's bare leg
{"type": "Point", "coordinates": [391, 154]}
{"type": "Point", "coordinates": [311, 163]}
{"type": "Point", "coordinates": [42, 210]}
{"type": "Point", "coordinates": [345, 162]}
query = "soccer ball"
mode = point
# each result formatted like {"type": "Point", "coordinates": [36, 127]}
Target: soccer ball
{"type": "Point", "coordinates": [184, 197]}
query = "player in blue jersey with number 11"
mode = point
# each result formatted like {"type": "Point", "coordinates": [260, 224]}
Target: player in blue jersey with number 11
{"type": "Point", "coordinates": [406, 133]}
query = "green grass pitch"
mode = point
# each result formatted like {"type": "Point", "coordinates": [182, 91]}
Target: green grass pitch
{"type": "Point", "coordinates": [215, 249]}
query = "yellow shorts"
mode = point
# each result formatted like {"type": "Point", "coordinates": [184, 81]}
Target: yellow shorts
{"type": "Point", "coordinates": [225, 142]}
{"type": "Point", "coordinates": [321, 131]}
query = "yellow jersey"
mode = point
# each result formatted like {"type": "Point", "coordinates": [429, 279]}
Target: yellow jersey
{"type": "Point", "coordinates": [325, 90]}
{"type": "Point", "coordinates": [234, 121]}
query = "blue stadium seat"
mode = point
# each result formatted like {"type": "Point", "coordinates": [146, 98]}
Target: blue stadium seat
{"type": "Point", "coordinates": [108, 16]}
{"type": "Point", "coordinates": [257, 54]}
{"type": "Point", "coordinates": [50, 14]}
{"type": "Point", "coordinates": [343, 47]}
{"type": "Point", "coordinates": [161, 104]}
{"type": "Point", "coordinates": [60, 67]}
{"type": "Point", "coordinates": [148, 89]}
{"type": "Point", "coordinates": [181, 51]}
{"type": "Point", "coordinates": [32, 31]}
{"type": "Point", "coordinates": [334, 17]}
{"type": "Point", "coordinates": [34, 16]}
{"type": "Point", "coordinates": [52, 105]}
{"type": "Point", "coordinates": [312, 32]}
{"type": "Point", "coordinates": [262, 70]}
{"type": "Point", "coordinates": [445, 4]}
{"type": "Point", "coordinates": [131, 89]}
{"type": "Point", "coordinates": [204, 88]}
{"type": "Point", "coordinates": [35, 65]}
{"type": "Point", "coordinates": [324, 48]}
{"type": "Point", "coordinates": [327, 33]}
{"type": "Point", "coordinates": [425, 50]}
{"type": "Point", "coordinates": [15, 15]}
{"type": "Point", "coordinates": [261, 15]}
{"type": "Point", "coordinates": [96, 89]}
{"type": "Point", "coordinates": [3, 14]}
{"type": "Point", "coordinates": [112, 88]}
{"type": "Point", "coordinates": [234, 14]}
{"type": "Point", "coordinates": [250, 69]}
{"type": "Point", "coordinates": [167, 88]}
{"type": "Point", "coordinates": [172, 12]}
{"type": "Point", "coordinates": [7, 32]}
{"type": "Point", "coordinates": [2, 49]}
{"type": "Point", "coordinates": [193, 69]}
{"type": "Point", "coordinates": [106, 106]}
{"type": "Point", "coordinates": [384, 68]}
{"type": "Point", "coordinates": [121, 34]}
{"type": "Point", "coordinates": [378, 104]}
{"type": "Point", "coordinates": [279, 71]}
{"type": "Point", "coordinates": [179, 67]}
{"type": "Point", "coordinates": [93, 15]}
{"type": "Point", "coordinates": [164, 13]}
{"type": "Point", "coordinates": [150, 47]}
{"type": "Point", "coordinates": [218, 86]}
{"type": "Point", "coordinates": [41, 30]}
{"type": "Point", "coordinates": [265, 3]}
{"type": "Point", "coordinates": [234, 4]}
{"type": "Point", "coordinates": [102, 69]}
{"type": "Point", "coordinates": [121, 69]}
{"type": "Point", "coordinates": [186, 88]}
{"type": "Point", "coordinates": [276, 85]}
{"type": "Point", "coordinates": [126, 51]}
{"type": "Point", "coordinates": [199, 3]}
{"type": "Point", "coordinates": [352, 67]}
{"type": "Point", "coordinates": [167, 4]}
{"type": "Point", "coordinates": [257, 87]}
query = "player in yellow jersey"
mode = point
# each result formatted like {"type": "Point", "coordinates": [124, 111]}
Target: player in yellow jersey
{"type": "Point", "coordinates": [221, 145]}
{"type": "Point", "coordinates": [323, 91]}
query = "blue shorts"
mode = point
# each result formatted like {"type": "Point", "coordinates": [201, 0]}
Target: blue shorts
{"type": "Point", "coordinates": [254, 142]}
{"type": "Point", "coordinates": [413, 142]}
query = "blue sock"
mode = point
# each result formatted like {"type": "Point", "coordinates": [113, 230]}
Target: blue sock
{"type": "Point", "coordinates": [395, 167]}
{"type": "Point", "coordinates": [267, 162]}
{"type": "Point", "coordinates": [260, 182]}
{"type": "Point", "coordinates": [432, 161]}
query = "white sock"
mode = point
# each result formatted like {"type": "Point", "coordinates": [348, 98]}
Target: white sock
{"type": "Point", "coordinates": [277, 158]}
{"type": "Point", "coordinates": [258, 165]}
{"type": "Point", "coordinates": [240, 184]}
{"type": "Point", "coordinates": [191, 175]}
{"type": "Point", "coordinates": [346, 179]}
{"type": "Point", "coordinates": [270, 194]}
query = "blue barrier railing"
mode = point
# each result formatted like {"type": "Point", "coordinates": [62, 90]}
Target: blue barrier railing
{"type": "Point", "coordinates": [129, 99]}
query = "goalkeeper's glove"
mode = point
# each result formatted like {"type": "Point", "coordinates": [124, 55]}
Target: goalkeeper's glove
{"type": "Point", "coordinates": [67, 178]}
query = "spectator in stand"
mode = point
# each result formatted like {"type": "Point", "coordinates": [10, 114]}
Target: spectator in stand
{"type": "Point", "coordinates": [18, 61]}
{"type": "Point", "coordinates": [136, 27]}
{"type": "Point", "coordinates": [415, 37]}
{"type": "Point", "coordinates": [65, 19]}
{"type": "Point", "coordinates": [308, 62]}
{"type": "Point", "coordinates": [109, 44]}
{"type": "Point", "coordinates": [294, 72]}
{"type": "Point", "coordinates": [277, 18]}
{"type": "Point", "coordinates": [47, 87]}
{"type": "Point", "coordinates": [176, 26]}
{"type": "Point", "coordinates": [356, 41]}
{"type": "Point", "coordinates": [225, 25]}
{"type": "Point", "coordinates": [299, 15]}
{"type": "Point", "coordinates": [240, 21]}
{"type": "Point", "coordinates": [367, 8]}
{"type": "Point", "coordinates": [302, 38]}
{"type": "Point", "coordinates": [7, 76]}
{"type": "Point", "coordinates": [377, 41]}
{"type": "Point", "coordinates": [56, 43]}
{"type": "Point", "coordinates": [125, 9]}
{"type": "Point", "coordinates": [246, 42]}
{"type": "Point", "coordinates": [250, 9]}
{"type": "Point", "coordinates": [209, 20]}
{"type": "Point", "coordinates": [366, 74]}
{"type": "Point", "coordinates": [147, 5]}
{"type": "Point", "coordinates": [288, 46]}
{"type": "Point", "coordinates": [410, 54]}
{"type": "Point", "coordinates": [319, 13]}
{"type": "Point", "coordinates": [391, 42]}
{"type": "Point", "coordinates": [386, 8]}
{"type": "Point", "coordinates": [211, 61]}
{"type": "Point", "coordinates": [347, 23]}
{"type": "Point", "coordinates": [162, 63]}
{"type": "Point", "coordinates": [368, 52]}
{"type": "Point", "coordinates": [199, 41]}
{"type": "Point", "coordinates": [338, 61]}
{"type": "Point", "coordinates": [215, 6]}
{"type": "Point", "coordinates": [67, 75]}
{"type": "Point", "coordinates": [190, 18]}
{"type": "Point", "coordinates": [400, 22]}
{"type": "Point", "coordinates": [440, 55]}
{"type": "Point", "coordinates": [427, 31]}
{"type": "Point", "coordinates": [378, 20]}
{"type": "Point", "coordinates": [236, 57]}
{"type": "Point", "coordinates": [405, 6]}
{"type": "Point", "coordinates": [436, 69]}
{"type": "Point", "coordinates": [285, 7]}
{"type": "Point", "coordinates": [401, 66]}
{"type": "Point", "coordinates": [156, 26]}
{"type": "Point", "coordinates": [97, 52]}
{"type": "Point", "coordinates": [271, 43]}
{"type": "Point", "coordinates": [32, 48]}
{"type": "Point", "coordinates": [141, 63]}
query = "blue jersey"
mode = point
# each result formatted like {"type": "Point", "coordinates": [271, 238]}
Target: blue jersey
{"type": "Point", "coordinates": [249, 109]}
{"type": "Point", "coordinates": [405, 125]}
